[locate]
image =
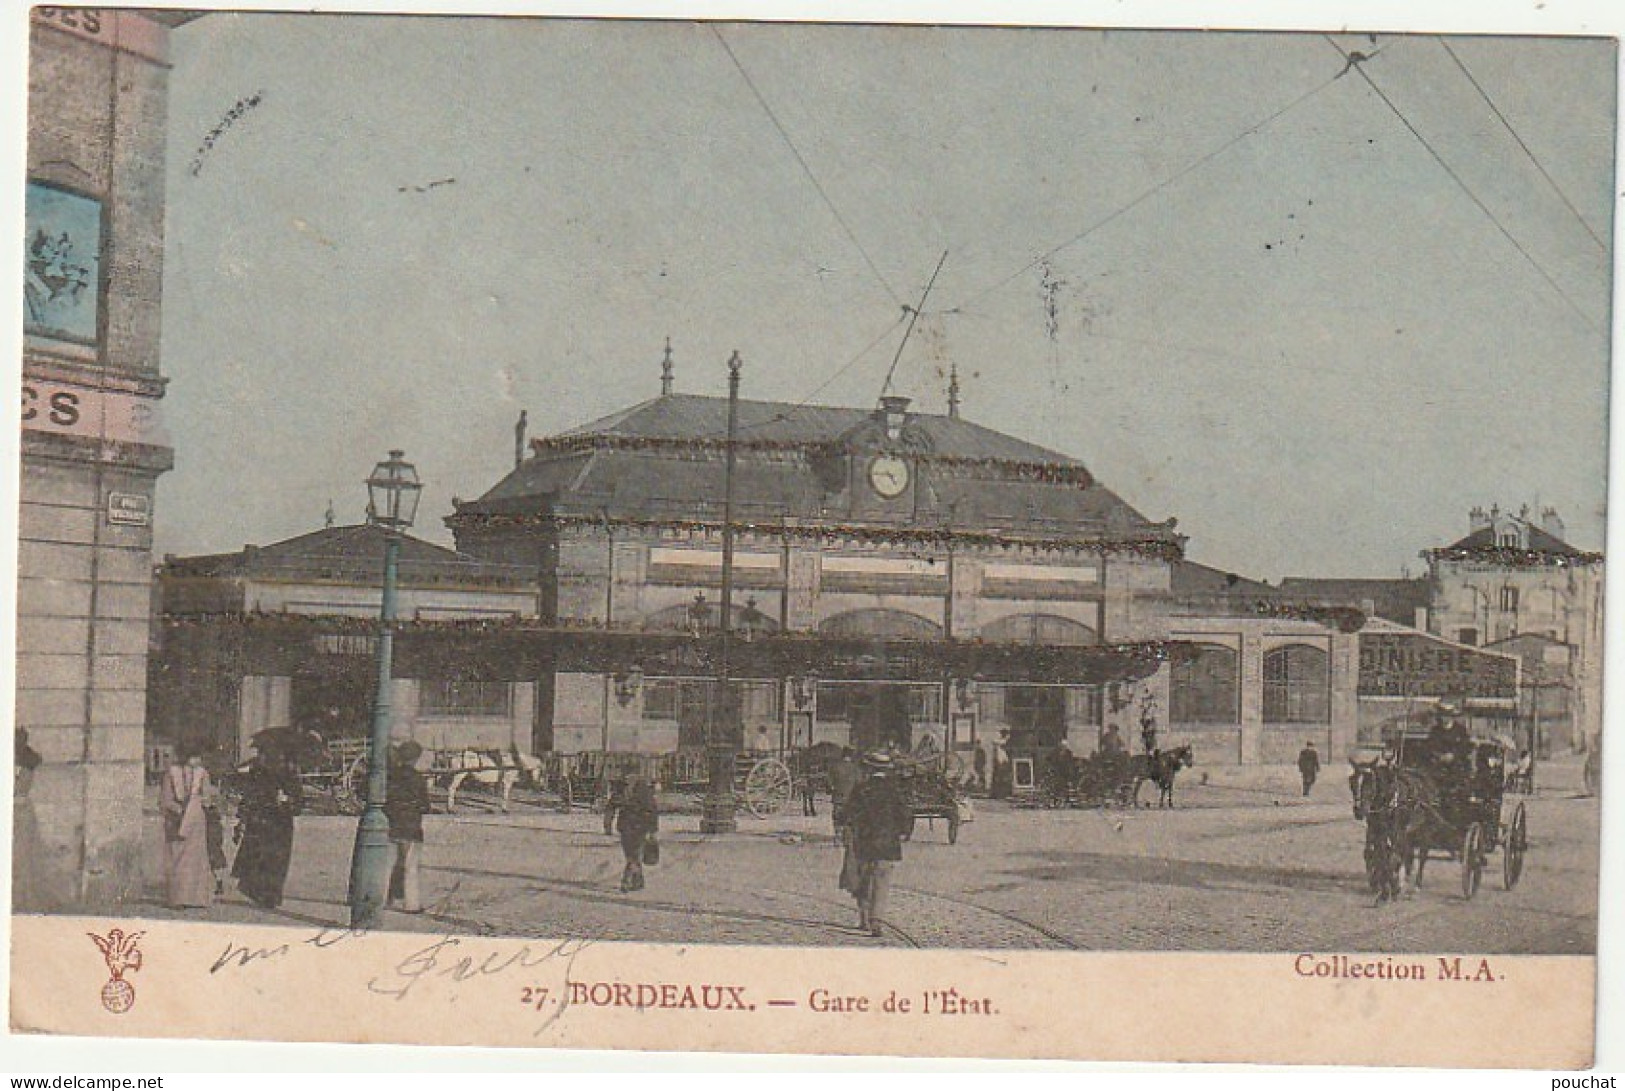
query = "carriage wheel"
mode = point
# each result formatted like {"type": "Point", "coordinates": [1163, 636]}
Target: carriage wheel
{"type": "Point", "coordinates": [350, 790]}
{"type": "Point", "coordinates": [1513, 846]}
{"type": "Point", "coordinates": [1472, 860]}
{"type": "Point", "coordinates": [768, 787]}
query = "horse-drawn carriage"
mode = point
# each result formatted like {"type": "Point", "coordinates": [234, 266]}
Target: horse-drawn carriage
{"type": "Point", "coordinates": [932, 786]}
{"type": "Point", "coordinates": [1114, 777]}
{"type": "Point", "coordinates": [1441, 792]}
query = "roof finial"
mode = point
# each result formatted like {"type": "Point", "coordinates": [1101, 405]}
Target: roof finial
{"type": "Point", "coordinates": [327, 519]}
{"type": "Point", "coordinates": [953, 391]}
{"type": "Point", "coordinates": [665, 371]}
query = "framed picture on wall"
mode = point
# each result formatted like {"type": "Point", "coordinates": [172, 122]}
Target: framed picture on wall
{"type": "Point", "coordinates": [62, 264]}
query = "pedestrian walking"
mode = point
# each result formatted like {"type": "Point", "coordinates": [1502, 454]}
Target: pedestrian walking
{"type": "Point", "coordinates": [879, 818]}
{"type": "Point", "coordinates": [214, 819]}
{"type": "Point", "coordinates": [28, 883]}
{"type": "Point", "coordinates": [406, 801]}
{"type": "Point", "coordinates": [809, 794]}
{"type": "Point", "coordinates": [844, 778]}
{"type": "Point", "coordinates": [637, 819]}
{"type": "Point", "coordinates": [188, 878]}
{"type": "Point", "coordinates": [271, 797]}
{"type": "Point", "coordinates": [1308, 766]}
{"type": "Point", "coordinates": [1004, 773]}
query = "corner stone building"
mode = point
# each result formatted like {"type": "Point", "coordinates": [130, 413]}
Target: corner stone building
{"type": "Point", "coordinates": [919, 563]}
{"type": "Point", "coordinates": [91, 448]}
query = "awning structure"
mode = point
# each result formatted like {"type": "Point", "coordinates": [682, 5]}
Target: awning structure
{"type": "Point", "coordinates": [520, 650]}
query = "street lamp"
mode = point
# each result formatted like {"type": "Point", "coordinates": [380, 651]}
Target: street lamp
{"type": "Point", "coordinates": [392, 502]}
{"type": "Point", "coordinates": [717, 814]}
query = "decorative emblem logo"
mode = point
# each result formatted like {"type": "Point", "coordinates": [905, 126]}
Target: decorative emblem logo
{"type": "Point", "coordinates": [122, 956]}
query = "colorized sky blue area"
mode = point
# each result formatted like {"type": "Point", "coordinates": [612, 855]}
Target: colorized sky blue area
{"type": "Point", "coordinates": [1315, 296]}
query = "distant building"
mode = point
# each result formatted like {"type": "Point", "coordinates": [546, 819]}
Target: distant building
{"type": "Point", "coordinates": [286, 634]}
{"type": "Point", "coordinates": [1403, 601]}
{"type": "Point", "coordinates": [1255, 673]}
{"type": "Point", "coordinates": [1512, 577]}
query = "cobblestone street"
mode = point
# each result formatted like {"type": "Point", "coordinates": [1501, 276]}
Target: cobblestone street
{"type": "Point", "coordinates": [1239, 866]}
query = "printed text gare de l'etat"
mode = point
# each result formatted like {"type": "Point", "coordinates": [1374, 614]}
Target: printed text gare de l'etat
{"type": "Point", "coordinates": [669, 996]}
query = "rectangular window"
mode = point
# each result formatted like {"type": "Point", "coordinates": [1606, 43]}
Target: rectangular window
{"type": "Point", "coordinates": [1467, 636]}
{"type": "Point", "coordinates": [464, 697]}
{"type": "Point", "coordinates": [1509, 598]}
{"type": "Point", "coordinates": [760, 701]}
{"type": "Point", "coordinates": [660, 699]}
{"type": "Point", "coordinates": [925, 704]}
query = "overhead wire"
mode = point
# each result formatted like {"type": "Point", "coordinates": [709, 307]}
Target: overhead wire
{"type": "Point", "coordinates": [806, 168]}
{"type": "Point", "coordinates": [1502, 118]}
{"type": "Point", "coordinates": [1142, 197]}
{"type": "Point", "coordinates": [1461, 183]}
{"type": "Point", "coordinates": [806, 399]}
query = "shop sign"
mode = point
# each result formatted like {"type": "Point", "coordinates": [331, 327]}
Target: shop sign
{"type": "Point", "coordinates": [69, 409]}
{"type": "Point", "coordinates": [1417, 665]}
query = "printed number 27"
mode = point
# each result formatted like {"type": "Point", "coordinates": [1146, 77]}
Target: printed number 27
{"type": "Point", "coordinates": [533, 997]}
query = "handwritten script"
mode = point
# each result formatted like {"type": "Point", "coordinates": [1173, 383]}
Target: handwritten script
{"type": "Point", "coordinates": [449, 961]}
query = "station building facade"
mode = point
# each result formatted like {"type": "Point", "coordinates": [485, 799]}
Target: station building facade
{"type": "Point", "coordinates": [897, 577]}
{"type": "Point", "coordinates": [887, 565]}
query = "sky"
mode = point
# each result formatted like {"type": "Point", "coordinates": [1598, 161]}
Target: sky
{"type": "Point", "coordinates": [1314, 310]}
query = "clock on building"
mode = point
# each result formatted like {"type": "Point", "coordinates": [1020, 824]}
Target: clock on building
{"type": "Point", "coordinates": [888, 476]}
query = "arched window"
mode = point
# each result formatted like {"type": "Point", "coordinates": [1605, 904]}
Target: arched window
{"type": "Point", "coordinates": [1205, 686]}
{"type": "Point", "coordinates": [1297, 685]}
{"type": "Point", "coordinates": [1039, 629]}
{"type": "Point", "coordinates": [887, 624]}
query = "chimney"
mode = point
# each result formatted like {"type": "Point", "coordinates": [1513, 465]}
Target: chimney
{"type": "Point", "coordinates": [1551, 523]}
{"type": "Point", "coordinates": [1477, 520]}
{"type": "Point", "coordinates": [666, 380]}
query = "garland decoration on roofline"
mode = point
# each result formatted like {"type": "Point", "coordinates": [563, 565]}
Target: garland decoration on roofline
{"type": "Point", "coordinates": [1514, 558]}
{"type": "Point", "coordinates": [1047, 473]}
{"type": "Point", "coordinates": [1165, 549]}
{"type": "Point", "coordinates": [594, 648]}
{"type": "Point", "coordinates": [1344, 619]}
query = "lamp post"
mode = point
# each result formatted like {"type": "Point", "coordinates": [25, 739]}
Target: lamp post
{"type": "Point", "coordinates": [718, 813]}
{"type": "Point", "coordinates": [392, 501]}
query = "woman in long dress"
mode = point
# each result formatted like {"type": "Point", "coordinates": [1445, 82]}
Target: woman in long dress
{"type": "Point", "coordinates": [188, 879]}
{"type": "Point", "coordinates": [271, 796]}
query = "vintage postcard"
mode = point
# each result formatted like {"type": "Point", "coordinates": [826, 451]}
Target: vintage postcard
{"type": "Point", "coordinates": [788, 537]}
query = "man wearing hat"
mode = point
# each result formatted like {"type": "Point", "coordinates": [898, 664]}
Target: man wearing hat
{"type": "Point", "coordinates": [405, 801]}
{"type": "Point", "coordinates": [1308, 766]}
{"type": "Point", "coordinates": [879, 818]}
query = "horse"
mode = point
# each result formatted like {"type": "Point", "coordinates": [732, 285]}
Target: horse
{"type": "Point", "coordinates": [492, 769]}
{"type": "Point", "coordinates": [1161, 767]}
{"type": "Point", "coordinates": [1400, 808]}
{"type": "Point", "coordinates": [1372, 788]}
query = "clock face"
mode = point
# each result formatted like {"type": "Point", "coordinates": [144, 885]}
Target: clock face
{"type": "Point", "coordinates": [888, 476]}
